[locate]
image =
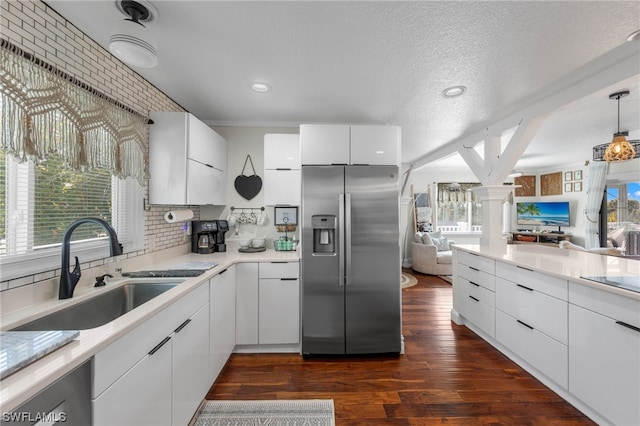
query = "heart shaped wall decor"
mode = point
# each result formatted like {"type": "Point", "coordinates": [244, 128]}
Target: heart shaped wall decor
{"type": "Point", "coordinates": [248, 186]}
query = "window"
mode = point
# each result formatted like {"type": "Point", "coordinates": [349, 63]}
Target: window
{"type": "Point", "coordinates": [623, 217]}
{"type": "Point", "coordinates": [458, 209]}
{"type": "Point", "coordinates": [40, 201]}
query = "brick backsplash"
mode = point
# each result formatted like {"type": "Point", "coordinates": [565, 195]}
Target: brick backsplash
{"type": "Point", "coordinates": [38, 29]}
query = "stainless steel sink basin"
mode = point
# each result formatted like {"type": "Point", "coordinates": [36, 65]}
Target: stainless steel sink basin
{"type": "Point", "coordinates": [101, 309]}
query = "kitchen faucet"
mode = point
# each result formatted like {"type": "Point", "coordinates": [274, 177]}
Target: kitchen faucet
{"type": "Point", "coordinates": [68, 280]}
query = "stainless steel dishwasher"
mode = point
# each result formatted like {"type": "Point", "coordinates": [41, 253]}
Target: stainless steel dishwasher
{"type": "Point", "coordinates": [66, 401]}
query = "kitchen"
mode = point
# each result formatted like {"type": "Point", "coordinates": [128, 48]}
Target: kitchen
{"type": "Point", "coordinates": [158, 235]}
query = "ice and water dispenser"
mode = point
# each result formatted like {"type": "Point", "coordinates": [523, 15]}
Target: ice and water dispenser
{"type": "Point", "coordinates": [324, 234]}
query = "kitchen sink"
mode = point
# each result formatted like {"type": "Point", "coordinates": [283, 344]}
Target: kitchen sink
{"type": "Point", "coordinates": [101, 309]}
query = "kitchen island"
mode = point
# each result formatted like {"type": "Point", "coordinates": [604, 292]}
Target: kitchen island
{"type": "Point", "coordinates": [22, 385]}
{"type": "Point", "coordinates": [570, 318]}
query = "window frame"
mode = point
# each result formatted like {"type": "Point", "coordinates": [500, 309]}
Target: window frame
{"type": "Point", "coordinates": [127, 214]}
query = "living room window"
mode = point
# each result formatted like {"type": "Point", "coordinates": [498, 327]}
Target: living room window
{"type": "Point", "coordinates": [623, 216]}
{"type": "Point", "coordinates": [458, 209]}
{"type": "Point", "coordinates": [39, 201]}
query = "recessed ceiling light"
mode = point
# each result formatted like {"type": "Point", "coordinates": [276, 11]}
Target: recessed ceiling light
{"type": "Point", "coordinates": [260, 87]}
{"type": "Point", "coordinates": [634, 36]}
{"type": "Point", "coordinates": [453, 91]}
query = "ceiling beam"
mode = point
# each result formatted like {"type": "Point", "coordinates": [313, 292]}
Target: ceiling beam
{"type": "Point", "coordinates": [617, 65]}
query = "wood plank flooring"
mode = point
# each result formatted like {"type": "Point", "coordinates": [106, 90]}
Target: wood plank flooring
{"type": "Point", "coordinates": [447, 375]}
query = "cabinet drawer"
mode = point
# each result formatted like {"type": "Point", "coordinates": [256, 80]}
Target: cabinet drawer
{"type": "Point", "coordinates": [545, 313]}
{"type": "Point", "coordinates": [612, 305]}
{"type": "Point", "coordinates": [547, 355]}
{"type": "Point", "coordinates": [476, 290]}
{"type": "Point", "coordinates": [477, 276]}
{"type": "Point", "coordinates": [478, 262]}
{"type": "Point", "coordinates": [553, 286]}
{"type": "Point", "coordinates": [478, 313]}
{"type": "Point", "coordinates": [279, 270]}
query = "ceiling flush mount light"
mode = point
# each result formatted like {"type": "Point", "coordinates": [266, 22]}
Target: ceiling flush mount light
{"type": "Point", "coordinates": [634, 36]}
{"type": "Point", "coordinates": [260, 87]}
{"type": "Point", "coordinates": [619, 149]}
{"type": "Point", "coordinates": [454, 91]}
{"type": "Point", "coordinates": [129, 42]}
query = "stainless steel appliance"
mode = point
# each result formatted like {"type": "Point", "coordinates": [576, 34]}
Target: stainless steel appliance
{"type": "Point", "coordinates": [350, 260]}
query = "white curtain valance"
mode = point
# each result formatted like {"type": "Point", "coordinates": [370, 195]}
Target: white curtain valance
{"type": "Point", "coordinates": [46, 111]}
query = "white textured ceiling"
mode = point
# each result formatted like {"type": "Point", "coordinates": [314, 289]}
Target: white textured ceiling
{"type": "Point", "coordinates": [386, 62]}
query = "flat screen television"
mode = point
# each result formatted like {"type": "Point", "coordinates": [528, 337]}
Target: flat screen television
{"type": "Point", "coordinates": [544, 213]}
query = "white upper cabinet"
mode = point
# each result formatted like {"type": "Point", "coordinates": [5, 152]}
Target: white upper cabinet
{"type": "Point", "coordinates": [345, 144]}
{"type": "Point", "coordinates": [375, 145]}
{"type": "Point", "coordinates": [324, 143]}
{"type": "Point", "coordinates": [187, 161]}
{"type": "Point", "coordinates": [282, 169]}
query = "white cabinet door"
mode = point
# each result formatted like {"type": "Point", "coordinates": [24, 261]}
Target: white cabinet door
{"type": "Point", "coordinates": [142, 396]}
{"type": "Point", "coordinates": [279, 315]}
{"type": "Point", "coordinates": [247, 303]}
{"type": "Point", "coordinates": [190, 346]}
{"type": "Point", "coordinates": [281, 151]}
{"type": "Point", "coordinates": [324, 144]}
{"type": "Point", "coordinates": [223, 318]}
{"type": "Point", "coordinates": [206, 145]}
{"type": "Point", "coordinates": [375, 145]}
{"type": "Point", "coordinates": [282, 187]}
{"type": "Point", "coordinates": [604, 365]}
{"type": "Point", "coordinates": [205, 185]}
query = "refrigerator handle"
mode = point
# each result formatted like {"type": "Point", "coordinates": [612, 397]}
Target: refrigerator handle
{"type": "Point", "coordinates": [347, 232]}
{"type": "Point", "coordinates": [341, 237]}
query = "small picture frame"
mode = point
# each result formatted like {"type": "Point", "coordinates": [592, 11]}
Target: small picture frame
{"type": "Point", "coordinates": [577, 175]}
{"type": "Point", "coordinates": [568, 187]}
{"type": "Point", "coordinates": [286, 215]}
{"type": "Point", "coordinates": [577, 186]}
{"type": "Point", "coordinates": [568, 176]}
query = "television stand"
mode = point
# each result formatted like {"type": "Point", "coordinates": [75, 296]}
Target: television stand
{"type": "Point", "coordinates": [545, 238]}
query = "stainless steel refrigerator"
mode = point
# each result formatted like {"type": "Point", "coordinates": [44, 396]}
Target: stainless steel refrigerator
{"type": "Point", "coordinates": [350, 260]}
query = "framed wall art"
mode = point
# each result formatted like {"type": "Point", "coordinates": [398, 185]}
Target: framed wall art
{"type": "Point", "coordinates": [527, 186]}
{"type": "Point", "coordinates": [568, 176]}
{"type": "Point", "coordinates": [577, 175]}
{"type": "Point", "coordinates": [551, 184]}
{"type": "Point", "coordinates": [568, 187]}
{"type": "Point", "coordinates": [577, 186]}
{"type": "Point", "coordinates": [286, 215]}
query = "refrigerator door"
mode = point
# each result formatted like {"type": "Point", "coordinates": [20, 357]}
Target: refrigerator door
{"type": "Point", "coordinates": [323, 329]}
{"type": "Point", "coordinates": [372, 303]}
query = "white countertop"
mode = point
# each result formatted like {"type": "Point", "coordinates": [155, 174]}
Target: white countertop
{"type": "Point", "coordinates": [20, 386]}
{"type": "Point", "coordinates": [567, 264]}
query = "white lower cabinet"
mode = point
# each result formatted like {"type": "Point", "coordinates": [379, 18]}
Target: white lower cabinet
{"type": "Point", "coordinates": [223, 320]}
{"type": "Point", "coordinates": [190, 350]}
{"type": "Point", "coordinates": [268, 305]}
{"type": "Point", "coordinates": [153, 374]}
{"type": "Point", "coordinates": [604, 358]}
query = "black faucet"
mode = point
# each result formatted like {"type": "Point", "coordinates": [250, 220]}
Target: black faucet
{"type": "Point", "coordinates": [68, 280]}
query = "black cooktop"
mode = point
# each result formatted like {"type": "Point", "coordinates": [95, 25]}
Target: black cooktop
{"type": "Point", "coordinates": [168, 273]}
{"type": "Point", "coordinates": [628, 283]}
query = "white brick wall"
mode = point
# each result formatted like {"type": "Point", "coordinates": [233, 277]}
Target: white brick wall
{"type": "Point", "coordinates": [38, 29]}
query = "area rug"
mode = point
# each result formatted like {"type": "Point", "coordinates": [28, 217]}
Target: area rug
{"type": "Point", "coordinates": [408, 280]}
{"type": "Point", "coordinates": [291, 412]}
{"type": "Point", "coordinates": [447, 278]}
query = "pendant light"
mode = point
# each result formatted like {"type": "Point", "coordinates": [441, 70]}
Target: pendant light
{"type": "Point", "coordinates": [619, 149]}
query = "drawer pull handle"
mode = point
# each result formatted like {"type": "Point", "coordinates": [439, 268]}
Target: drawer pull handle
{"type": "Point", "coordinates": [525, 324]}
{"type": "Point", "coordinates": [183, 325]}
{"type": "Point", "coordinates": [222, 272]}
{"type": "Point", "coordinates": [474, 269]}
{"type": "Point", "coordinates": [632, 327]}
{"type": "Point", "coordinates": [471, 297]}
{"type": "Point", "coordinates": [283, 168]}
{"type": "Point", "coordinates": [288, 279]}
{"type": "Point", "coordinates": [525, 287]}
{"type": "Point", "coordinates": [471, 282]}
{"type": "Point", "coordinates": [159, 345]}
{"type": "Point", "coordinates": [473, 254]}
{"type": "Point", "coordinates": [526, 269]}
{"type": "Point", "coordinates": [278, 262]}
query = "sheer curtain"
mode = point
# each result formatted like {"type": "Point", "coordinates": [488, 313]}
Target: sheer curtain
{"type": "Point", "coordinates": [595, 191]}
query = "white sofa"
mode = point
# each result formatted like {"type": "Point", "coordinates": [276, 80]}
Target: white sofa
{"type": "Point", "coordinates": [431, 254]}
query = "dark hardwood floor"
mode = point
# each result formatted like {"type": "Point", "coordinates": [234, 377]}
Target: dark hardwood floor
{"type": "Point", "coordinates": [447, 375]}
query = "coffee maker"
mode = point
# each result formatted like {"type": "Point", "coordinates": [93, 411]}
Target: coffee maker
{"type": "Point", "coordinates": [223, 227]}
{"type": "Point", "coordinates": [203, 236]}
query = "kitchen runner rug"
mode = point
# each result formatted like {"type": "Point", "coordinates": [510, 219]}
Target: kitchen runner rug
{"type": "Point", "coordinates": [408, 280]}
{"type": "Point", "coordinates": [303, 412]}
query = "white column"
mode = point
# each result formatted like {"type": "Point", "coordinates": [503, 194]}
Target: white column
{"type": "Point", "coordinates": [491, 197]}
